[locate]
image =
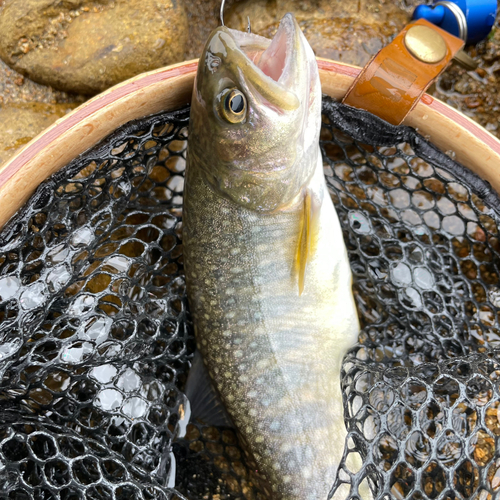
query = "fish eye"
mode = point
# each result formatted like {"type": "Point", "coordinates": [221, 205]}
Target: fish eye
{"type": "Point", "coordinates": [234, 105]}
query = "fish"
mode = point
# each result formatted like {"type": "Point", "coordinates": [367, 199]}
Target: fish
{"type": "Point", "coordinates": [267, 274]}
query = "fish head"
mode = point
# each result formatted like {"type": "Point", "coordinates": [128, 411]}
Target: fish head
{"type": "Point", "coordinates": [256, 115]}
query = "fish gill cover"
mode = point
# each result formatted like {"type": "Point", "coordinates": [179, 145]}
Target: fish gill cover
{"type": "Point", "coordinates": [96, 341]}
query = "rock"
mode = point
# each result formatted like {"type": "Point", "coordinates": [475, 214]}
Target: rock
{"type": "Point", "coordinates": [476, 93]}
{"type": "Point", "coordinates": [26, 108]}
{"type": "Point", "coordinates": [87, 46]}
{"type": "Point", "coordinates": [20, 122]}
{"type": "Point", "coordinates": [350, 32]}
{"type": "Point", "coordinates": [17, 88]}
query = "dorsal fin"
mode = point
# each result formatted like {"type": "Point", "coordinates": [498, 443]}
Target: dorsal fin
{"type": "Point", "coordinates": [308, 236]}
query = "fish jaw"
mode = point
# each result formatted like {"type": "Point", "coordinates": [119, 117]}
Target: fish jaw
{"type": "Point", "coordinates": [258, 163]}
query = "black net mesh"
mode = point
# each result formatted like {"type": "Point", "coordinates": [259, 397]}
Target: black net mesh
{"type": "Point", "coordinates": [96, 343]}
{"type": "Point", "coordinates": [421, 395]}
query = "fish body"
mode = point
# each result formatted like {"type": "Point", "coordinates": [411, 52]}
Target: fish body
{"type": "Point", "coordinates": [268, 279]}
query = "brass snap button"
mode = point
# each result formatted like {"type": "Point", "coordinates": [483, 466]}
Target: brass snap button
{"type": "Point", "coordinates": [425, 44]}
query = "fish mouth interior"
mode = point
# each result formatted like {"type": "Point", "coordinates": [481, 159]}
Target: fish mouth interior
{"type": "Point", "coordinates": [271, 57]}
{"type": "Point", "coordinates": [273, 60]}
{"type": "Point", "coordinates": [270, 66]}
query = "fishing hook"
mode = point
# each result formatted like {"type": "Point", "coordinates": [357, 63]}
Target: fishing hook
{"type": "Point", "coordinates": [249, 26]}
{"type": "Point", "coordinates": [222, 12]}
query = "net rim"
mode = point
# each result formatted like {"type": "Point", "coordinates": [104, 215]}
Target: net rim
{"type": "Point", "coordinates": [169, 88]}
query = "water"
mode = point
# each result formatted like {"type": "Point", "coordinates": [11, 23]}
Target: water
{"type": "Point", "coordinates": [34, 296]}
{"type": "Point", "coordinates": [82, 237]}
{"type": "Point", "coordinates": [81, 305]}
{"type": "Point", "coordinates": [9, 286]}
{"type": "Point", "coordinates": [77, 352]}
{"type": "Point", "coordinates": [104, 373]}
{"type": "Point", "coordinates": [129, 381]}
{"type": "Point", "coordinates": [57, 278]}
{"type": "Point", "coordinates": [96, 328]}
{"type": "Point", "coordinates": [135, 407]}
{"type": "Point", "coordinates": [109, 399]}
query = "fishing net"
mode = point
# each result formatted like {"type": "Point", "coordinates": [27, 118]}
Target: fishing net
{"type": "Point", "coordinates": [421, 395]}
{"type": "Point", "coordinates": [96, 340]}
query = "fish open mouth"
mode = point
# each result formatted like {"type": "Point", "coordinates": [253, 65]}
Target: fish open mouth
{"type": "Point", "coordinates": [273, 67]}
{"type": "Point", "coordinates": [277, 56]}
{"type": "Point", "coordinates": [273, 57]}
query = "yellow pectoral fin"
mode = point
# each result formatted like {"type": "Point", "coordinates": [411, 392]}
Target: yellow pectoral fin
{"type": "Point", "coordinates": [308, 236]}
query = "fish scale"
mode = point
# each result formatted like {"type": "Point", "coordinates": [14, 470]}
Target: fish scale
{"type": "Point", "coordinates": [271, 353]}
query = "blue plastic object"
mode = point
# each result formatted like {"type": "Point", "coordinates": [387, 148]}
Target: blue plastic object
{"type": "Point", "coordinates": [479, 14]}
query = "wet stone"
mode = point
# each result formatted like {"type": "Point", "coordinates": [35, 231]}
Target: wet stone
{"type": "Point", "coordinates": [484, 449]}
{"type": "Point", "coordinates": [479, 391]}
{"type": "Point", "coordinates": [492, 419]}
{"type": "Point", "coordinates": [449, 449]}
{"type": "Point", "coordinates": [453, 225]}
{"type": "Point", "coordinates": [86, 47]}
{"type": "Point", "coordinates": [387, 451]}
{"type": "Point", "coordinates": [402, 480]}
{"type": "Point", "coordinates": [415, 394]}
{"type": "Point", "coordinates": [381, 398]}
{"type": "Point", "coordinates": [433, 480]}
{"type": "Point", "coordinates": [20, 122]}
{"type": "Point", "coordinates": [345, 32]}
{"type": "Point", "coordinates": [417, 449]}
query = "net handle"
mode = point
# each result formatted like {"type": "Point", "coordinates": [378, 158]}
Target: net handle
{"type": "Point", "coordinates": [170, 88]}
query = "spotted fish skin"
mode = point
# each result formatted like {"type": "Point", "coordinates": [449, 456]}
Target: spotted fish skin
{"type": "Point", "coordinates": [272, 349]}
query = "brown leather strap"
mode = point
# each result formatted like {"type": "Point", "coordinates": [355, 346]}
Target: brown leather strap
{"type": "Point", "coordinates": [392, 83]}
